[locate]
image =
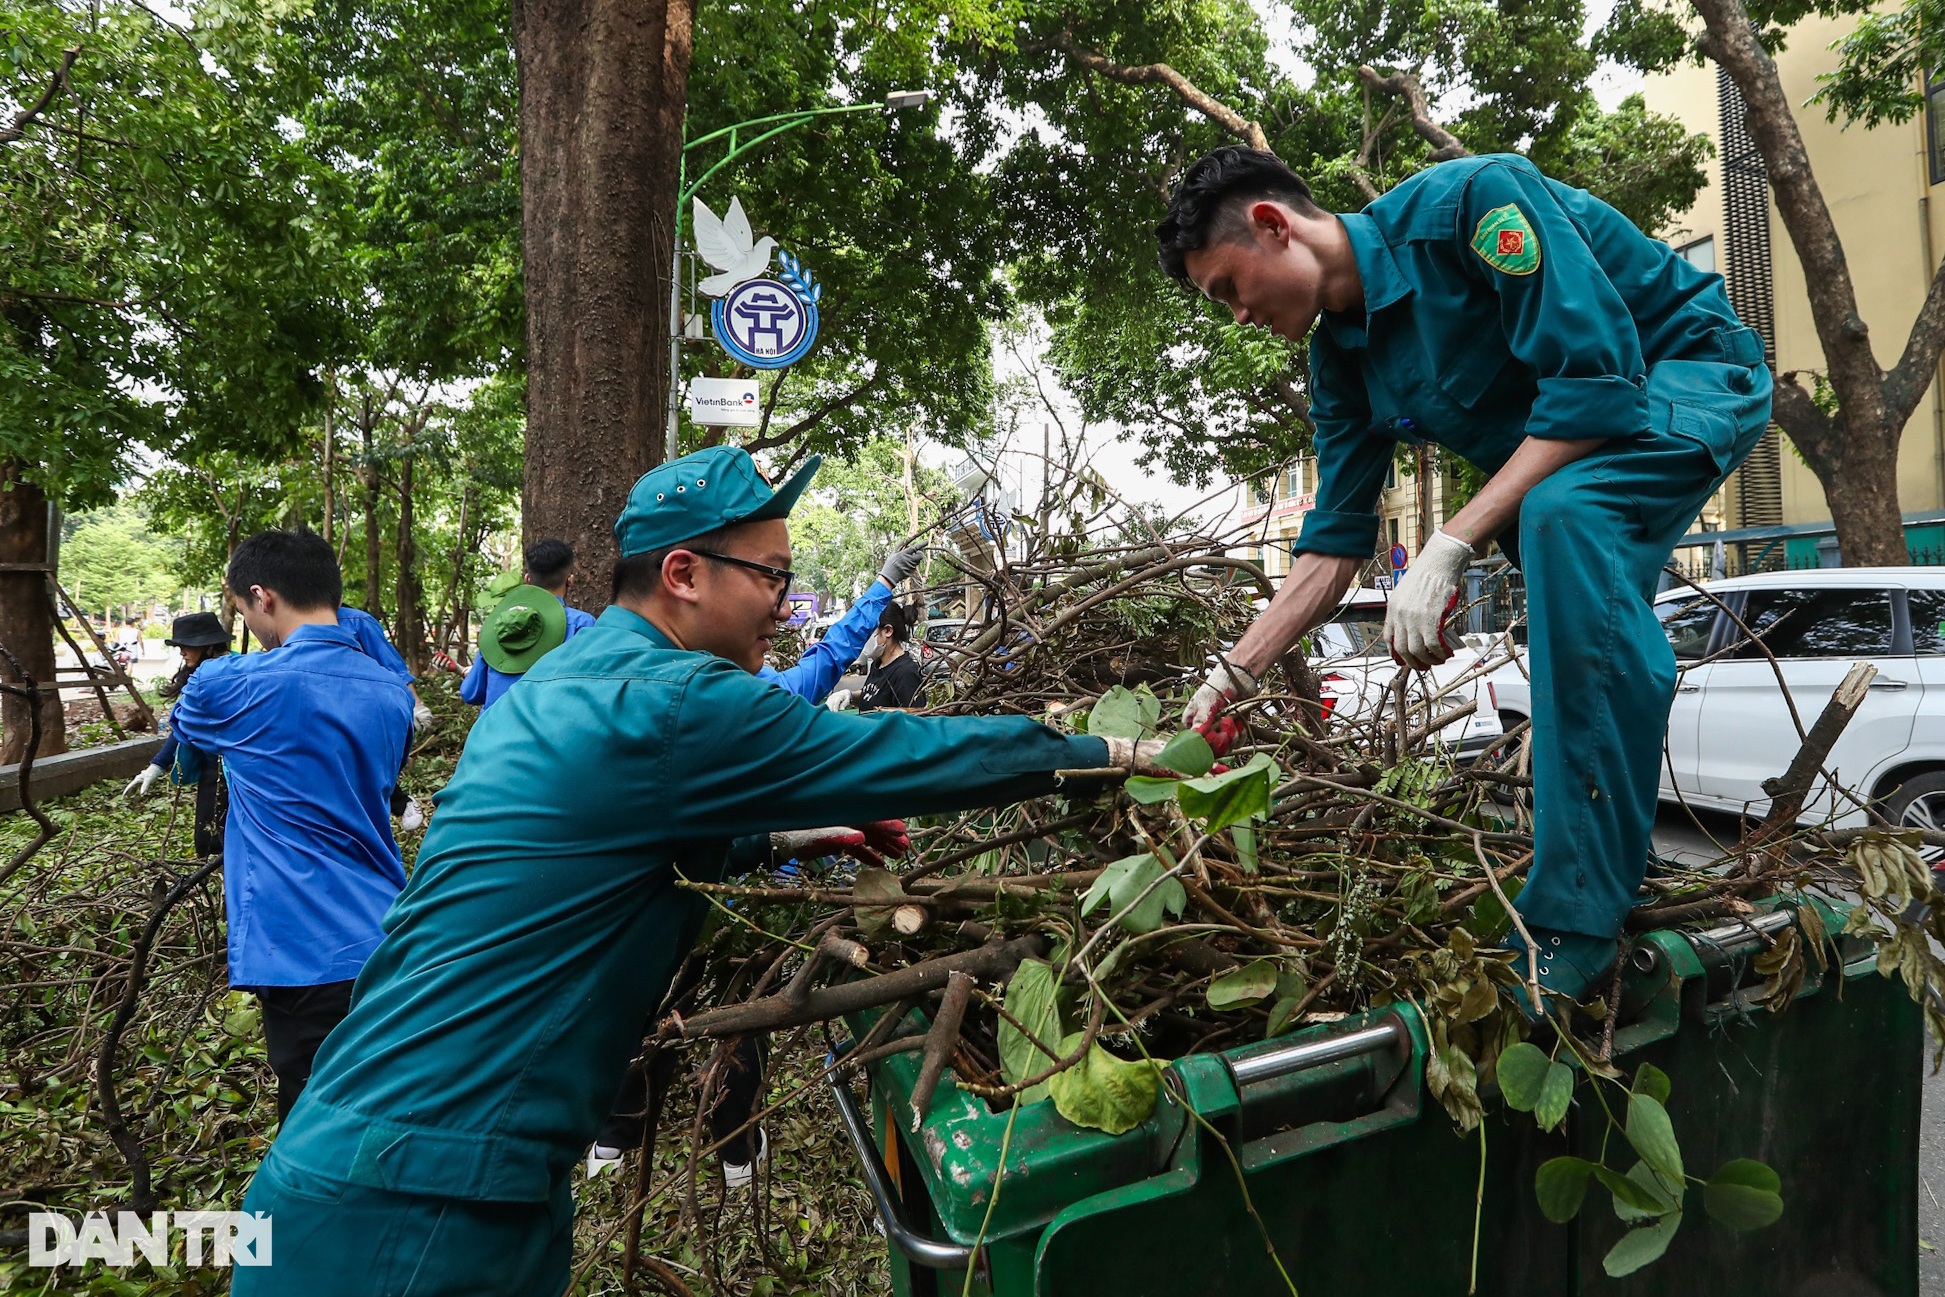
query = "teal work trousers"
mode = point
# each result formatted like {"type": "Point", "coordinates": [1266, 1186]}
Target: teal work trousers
{"type": "Point", "coordinates": [1592, 541]}
{"type": "Point", "coordinates": [332, 1238]}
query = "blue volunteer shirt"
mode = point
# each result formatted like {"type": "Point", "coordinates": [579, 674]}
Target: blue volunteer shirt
{"type": "Point", "coordinates": [311, 736]}
{"type": "Point", "coordinates": [484, 686]}
{"type": "Point", "coordinates": [371, 637]}
{"type": "Point", "coordinates": [823, 663]}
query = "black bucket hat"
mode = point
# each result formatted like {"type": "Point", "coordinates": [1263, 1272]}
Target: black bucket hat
{"type": "Point", "coordinates": [197, 630]}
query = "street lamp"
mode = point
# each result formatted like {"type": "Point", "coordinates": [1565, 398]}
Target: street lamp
{"type": "Point", "coordinates": [778, 123]}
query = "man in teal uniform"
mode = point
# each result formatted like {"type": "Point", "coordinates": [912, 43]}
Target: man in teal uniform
{"type": "Point", "coordinates": [1604, 384]}
{"type": "Point", "coordinates": [542, 925]}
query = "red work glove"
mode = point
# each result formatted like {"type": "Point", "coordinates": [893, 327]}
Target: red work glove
{"type": "Point", "coordinates": [1207, 712]}
{"type": "Point", "coordinates": [860, 843]}
{"type": "Point", "coordinates": [445, 662]}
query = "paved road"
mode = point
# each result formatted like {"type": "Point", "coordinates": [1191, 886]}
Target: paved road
{"type": "Point", "coordinates": [1678, 837]}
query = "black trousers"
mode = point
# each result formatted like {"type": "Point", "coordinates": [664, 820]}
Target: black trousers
{"type": "Point", "coordinates": [736, 1100]}
{"type": "Point", "coordinates": [296, 1019]}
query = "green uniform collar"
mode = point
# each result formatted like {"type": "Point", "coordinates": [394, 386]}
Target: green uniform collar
{"type": "Point", "coordinates": [1384, 283]}
{"type": "Point", "coordinates": [622, 619]}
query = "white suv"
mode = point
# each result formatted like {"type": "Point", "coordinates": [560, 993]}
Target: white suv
{"type": "Point", "coordinates": [1730, 729]}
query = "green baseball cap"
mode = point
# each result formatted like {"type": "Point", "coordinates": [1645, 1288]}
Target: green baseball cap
{"type": "Point", "coordinates": [698, 493]}
{"type": "Point", "coordinates": [527, 623]}
{"type": "Point", "coordinates": [502, 583]}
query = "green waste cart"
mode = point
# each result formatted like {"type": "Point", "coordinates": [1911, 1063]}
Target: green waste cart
{"type": "Point", "coordinates": [1364, 1186]}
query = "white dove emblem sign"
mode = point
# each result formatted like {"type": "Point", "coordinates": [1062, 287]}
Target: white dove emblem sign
{"type": "Point", "coordinates": [764, 323]}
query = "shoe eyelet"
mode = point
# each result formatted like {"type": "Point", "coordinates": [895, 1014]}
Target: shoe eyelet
{"type": "Point", "coordinates": [1555, 940]}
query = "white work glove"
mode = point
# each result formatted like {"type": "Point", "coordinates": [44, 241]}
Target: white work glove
{"type": "Point", "coordinates": [421, 717]}
{"type": "Point", "coordinates": [1414, 620]}
{"type": "Point", "coordinates": [140, 785]}
{"type": "Point", "coordinates": [841, 700]}
{"type": "Point", "coordinates": [411, 818]}
{"type": "Point", "coordinates": [901, 564]}
{"type": "Point", "coordinates": [1138, 756]}
{"type": "Point", "coordinates": [1226, 685]}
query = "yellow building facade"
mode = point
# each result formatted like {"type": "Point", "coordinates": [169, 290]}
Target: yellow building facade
{"type": "Point", "coordinates": [1880, 186]}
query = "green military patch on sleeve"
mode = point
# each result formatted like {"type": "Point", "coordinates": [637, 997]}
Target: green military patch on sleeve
{"type": "Point", "coordinates": [1505, 241]}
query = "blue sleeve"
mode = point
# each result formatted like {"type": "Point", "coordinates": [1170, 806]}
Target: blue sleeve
{"type": "Point", "coordinates": [473, 688]}
{"type": "Point", "coordinates": [823, 663]}
{"type": "Point", "coordinates": [1563, 316]}
{"type": "Point", "coordinates": [212, 704]}
{"type": "Point", "coordinates": [188, 765]}
{"type": "Point", "coordinates": [1351, 463]}
{"type": "Point", "coordinates": [165, 756]}
{"type": "Point", "coordinates": [577, 621]}
{"type": "Point", "coordinates": [370, 635]}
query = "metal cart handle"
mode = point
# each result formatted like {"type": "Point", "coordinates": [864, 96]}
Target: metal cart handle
{"type": "Point", "coordinates": [918, 1249]}
{"type": "Point", "coordinates": [1389, 1034]}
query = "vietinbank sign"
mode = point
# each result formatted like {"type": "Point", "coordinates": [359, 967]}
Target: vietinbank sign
{"type": "Point", "coordinates": [208, 1238]}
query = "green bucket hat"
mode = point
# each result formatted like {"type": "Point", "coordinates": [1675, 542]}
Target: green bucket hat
{"type": "Point", "coordinates": [526, 624]}
{"type": "Point", "coordinates": [698, 493]}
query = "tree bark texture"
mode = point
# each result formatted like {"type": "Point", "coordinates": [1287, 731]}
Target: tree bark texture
{"type": "Point", "coordinates": [407, 629]}
{"type": "Point", "coordinates": [26, 614]}
{"type": "Point", "coordinates": [603, 88]}
{"type": "Point", "coordinates": [374, 536]}
{"type": "Point", "coordinates": [1854, 454]}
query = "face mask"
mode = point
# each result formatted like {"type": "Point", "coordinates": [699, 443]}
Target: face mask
{"type": "Point", "coordinates": [873, 650]}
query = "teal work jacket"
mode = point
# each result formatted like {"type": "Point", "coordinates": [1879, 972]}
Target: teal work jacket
{"type": "Point", "coordinates": [1499, 305]}
{"type": "Point", "coordinates": [542, 925]}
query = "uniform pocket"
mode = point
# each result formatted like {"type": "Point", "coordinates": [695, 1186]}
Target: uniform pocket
{"type": "Point", "coordinates": [1722, 409]}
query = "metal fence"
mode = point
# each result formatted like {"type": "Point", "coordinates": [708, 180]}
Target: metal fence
{"type": "Point", "coordinates": [1699, 564]}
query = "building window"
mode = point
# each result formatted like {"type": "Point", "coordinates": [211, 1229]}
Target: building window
{"type": "Point", "coordinates": [1935, 125]}
{"type": "Point", "coordinates": [1391, 477]}
{"type": "Point", "coordinates": [1700, 254]}
{"type": "Point", "coordinates": [1391, 529]}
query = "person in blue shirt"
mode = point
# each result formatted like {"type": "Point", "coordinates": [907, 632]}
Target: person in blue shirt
{"type": "Point", "coordinates": [1605, 386]}
{"type": "Point", "coordinates": [200, 638]}
{"type": "Point", "coordinates": [824, 663]}
{"type": "Point", "coordinates": [550, 567]}
{"type": "Point", "coordinates": [311, 734]}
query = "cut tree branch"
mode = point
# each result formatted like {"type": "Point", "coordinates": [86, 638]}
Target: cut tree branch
{"type": "Point", "coordinates": [1403, 85]}
{"type": "Point", "coordinates": [1905, 386]}
{"type": "Point", "coordinates": [1160, 74]}
{"type": "Point", "coordinates": [26, 116]}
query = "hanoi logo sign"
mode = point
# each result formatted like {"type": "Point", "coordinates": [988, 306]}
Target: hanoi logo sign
{"type": "Point", "coordinates": [764, 323]}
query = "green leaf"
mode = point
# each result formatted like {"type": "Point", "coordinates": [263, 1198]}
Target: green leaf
{"type": "Point", "coordinates": [1556, 1095]}
{"type": "Point", "coordinates": [1561, 1186]}
{"type": "Point", "coordinates": [1188, 752]}
{"type": "Point", "coordinates": [1246, 854]}
{"type": "Point", "coordinates": [1488, 920]}
{"type": "Point", "coordinates": [1744, 1194]}
{"type": "Point", "coordinates": [1243, 985]}
{"type": "Point", "coordinates": [1653, 1136]}
{"type": "Point", "coordinates": [1103, 1092]}
{"type": "Point", "coordinates": [1230, 798]}
{"type": "Point", "coordinates": [1522, 1074]}
{"type": "Point", "coordinates": [1653, 1082]}
{"type": "Point", "coordinates": [1149, 790]}
{"type": "Point", "coordinates": [1122, 886]}
{"type": "Point", "coordinates": [875, 884]}
{"type": "Point", "coordinates": [1639, 1247]}
{"type": "Point", "coordinates": [1125, 714]}
{"type": "Point", "coordinates": [1030, 998]}
{"type": "Point", "coordinates": [1630, 1193]}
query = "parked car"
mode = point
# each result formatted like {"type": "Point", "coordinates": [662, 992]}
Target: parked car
{"type": "Point", "coordinates": [1730, 729]}
{"type": "Point", "coordinates": [1356, 629]}
{"type": "Point", "coordinates": [1354, 689]}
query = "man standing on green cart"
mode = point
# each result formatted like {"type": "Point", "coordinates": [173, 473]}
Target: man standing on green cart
{"type": "Point", "coordinates": [543, 923]}
{"type": "Point", "coordinates": [1604, 384]}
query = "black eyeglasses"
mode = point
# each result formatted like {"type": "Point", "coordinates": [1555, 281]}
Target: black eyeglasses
{"type": "Point", "coordinates": [782, 574]}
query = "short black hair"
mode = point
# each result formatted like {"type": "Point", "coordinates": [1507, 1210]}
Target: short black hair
{"type": "Point", "coordinates": [639, 575]}
{"type": "Point", "coordinates": [298, 565]}
{"type": "Point", "coordinates": [548, 560]}
{"type": "Point", "coordinates": [896, 620]}
{"type": "Point", "coordinates": [1207, 206]}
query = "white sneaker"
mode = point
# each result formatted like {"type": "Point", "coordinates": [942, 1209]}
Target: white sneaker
{"type": "Point", "coordinates": [600, 1158]}
{"type": "Point", "coordinates": [737, 1175]}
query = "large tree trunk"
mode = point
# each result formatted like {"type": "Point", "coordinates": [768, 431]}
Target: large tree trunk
{"type": "Point", "coordinates": [26, 615]}
{"type": "Point", "coordinates": [1855, 453]}
{"type": "Point", "coordinates": [603, 86]}
{"type": "Point", "coordinates": [407, 632]}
